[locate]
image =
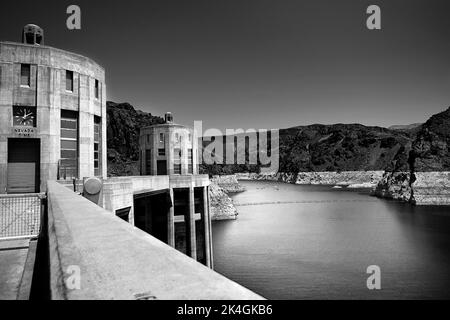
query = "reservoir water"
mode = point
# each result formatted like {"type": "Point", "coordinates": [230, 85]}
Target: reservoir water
{"type": "Point", "coordinates": [316, 242]}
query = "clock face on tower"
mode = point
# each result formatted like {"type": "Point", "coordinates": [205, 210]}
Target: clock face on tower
{"type": "Point", "coordinates": [24, 116]}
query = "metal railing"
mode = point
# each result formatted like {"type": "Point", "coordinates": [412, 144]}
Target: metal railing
{"type": "Point", "coordinates": [20, 215]}
{"type": "Point", "coordinates": [66, 172]}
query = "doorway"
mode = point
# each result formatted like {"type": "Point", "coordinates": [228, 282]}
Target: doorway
{"type": "Point", "coordinates": [23, 165]}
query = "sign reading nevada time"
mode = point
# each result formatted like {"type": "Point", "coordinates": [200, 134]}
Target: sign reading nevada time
{"type": "Point", "coordinates": [24, 131]}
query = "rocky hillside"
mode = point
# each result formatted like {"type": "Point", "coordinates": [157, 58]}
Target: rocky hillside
{"type": "Point", "coordinates": [406, 153]}
{"type": "Point", "coordinates": [313, 148]}
{"type": "Point", "coordinates": [341, 147]}
{"type": "Point", "coordinates": [429, 154]}
{"type": "Point", "coordinates": [123, 123]}
{"type": "Point", "coordinates": [221, 205]}
{"type": "Point", "coordinates": [430, 151]}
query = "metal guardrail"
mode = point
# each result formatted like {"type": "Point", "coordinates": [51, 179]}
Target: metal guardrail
{"type": "Point", "coordinates": [20, 215]}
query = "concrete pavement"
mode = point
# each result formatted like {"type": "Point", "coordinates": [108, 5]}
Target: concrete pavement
{"type": "Point", "coordinates": [13, 257]}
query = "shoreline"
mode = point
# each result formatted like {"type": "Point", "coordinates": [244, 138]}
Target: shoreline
{"type": "Point", "coordinates": [424, 189]}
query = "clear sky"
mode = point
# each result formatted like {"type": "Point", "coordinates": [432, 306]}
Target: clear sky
{"type": "Point", "coordinates": [259, 63]}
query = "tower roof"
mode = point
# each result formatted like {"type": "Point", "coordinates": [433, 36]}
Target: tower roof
{"type": "Point", "coordinates": [33, 34]}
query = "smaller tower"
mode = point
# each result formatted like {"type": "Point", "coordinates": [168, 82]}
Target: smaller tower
{"type": "Point", "coordinates": [168, 149]}
{"type": "Point", "coordinates": [33, 34]}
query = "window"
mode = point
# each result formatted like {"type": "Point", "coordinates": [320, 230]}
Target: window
{"type": "Point", "coordinates": [97, 133]}
{"type": "Point", "coordinates": [29, 36]}
{"type": "Point", "coordinates": [148, 161]}
{"type": "Point", "coordinates": [69, 80]}
{"type": "Point", "coordinates": [177, 161]}
{"type": "Point", "coordinates": [161, 152]}
{"type": "Point", "coordinates": [68, 166]}
{"type": "Point", "coordinates": [97, 89]}
{"type": "Point", "coordinates": [161, 137]}
{"type": "Point", "coordinates": [38, 39]}
{"type": "Point", "coordinates": [25, 75]}
{"type": "Point", "coordinates": [161, 167]}
{"type": "Point", "coordinates": [177, 153]}
{"type": "Point", "coordinates": [190, 166]}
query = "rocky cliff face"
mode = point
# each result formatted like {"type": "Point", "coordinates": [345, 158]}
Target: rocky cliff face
{"type": "Point", "coordinates": [228, 183]}
{"type": "Point", "coordinates": [341, 147]}
{"type": "Point", "coordinates": [221, 205]}
{"type": "Point", "coordinates": [395, 186]}
{"type": "Point", "coordinates": [334, 148]}
{"type": "Point", "coordinates": [430, 150]}
{"type": "Point", "coordinates": [421, 178]}
{"type": "Point", "coordinates": [123, 124]}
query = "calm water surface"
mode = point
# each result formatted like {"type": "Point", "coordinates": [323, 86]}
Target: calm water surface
{"type": "Point", "coordinates": [317, 242]}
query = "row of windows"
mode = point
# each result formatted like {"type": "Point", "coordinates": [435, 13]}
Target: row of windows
{"type": "Point", "coordinates": [177, 153]}
{"type": "Point", "coordinates": [162, 137]}
{"type": "Point", "coordinates": [176, 160]}
{"type": "Point", "coordinates": [97, 125]}
{"type": "Point", "coordinates": [177, 168]}
{"type": "Point", "coordinates": [25, 79]}
{"type": "Point", "coordinates": [27, 116]}
{"type": "Point", "coordinates": [25, 75]}
{"type": "Point", "coordinates": [148, 161]}
{"type": "Point", "coordinates": [69, 145]}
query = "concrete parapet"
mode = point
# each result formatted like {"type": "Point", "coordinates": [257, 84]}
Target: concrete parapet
{"type": "Point", "coordinates": [119, 261]}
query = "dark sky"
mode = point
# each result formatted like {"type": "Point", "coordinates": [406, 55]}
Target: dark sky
{"type": "Point", "coordinates": [259, 64]}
